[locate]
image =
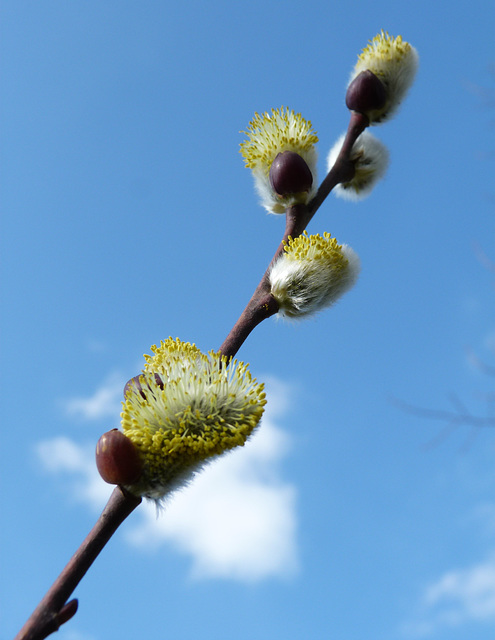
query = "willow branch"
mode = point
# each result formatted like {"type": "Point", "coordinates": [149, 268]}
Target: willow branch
{"type": "Point", "coordinates": [262, 304]}
{"type": "Point", "coordinates": [343, 169]}
{"type": "Point", "coordinates": [54, 610]}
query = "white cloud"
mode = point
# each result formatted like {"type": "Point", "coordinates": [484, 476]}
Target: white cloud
{"type": "Point", "coordinates": [63, 456]}
{"type": "Point", "coordinates": [237, 520]}
{"type": "Point", "coordinates": [465, 593]}
{"type": "Point", "coordinates": [72, 634]}
{"type": "Point", "coordinates": [458, 597]}
{"type": "Point", "coordinates": [106, 401]}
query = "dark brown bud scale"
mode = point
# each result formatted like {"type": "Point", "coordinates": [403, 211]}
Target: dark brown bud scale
{"type": "Point", "coordinates": [366, 93]}
{"type": "Point", "coordinates": [290, 173]}
{"type": "Point", "coordinates": [117, 458]}
{"type": "Point", "coordinates": [135, 383]}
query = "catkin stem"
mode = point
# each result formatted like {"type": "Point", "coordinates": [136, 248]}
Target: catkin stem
{"type": "Point", "coordinates": [262, 304]}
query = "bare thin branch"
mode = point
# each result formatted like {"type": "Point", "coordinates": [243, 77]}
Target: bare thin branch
{"type": "Point", "coordinates": [54, 610]}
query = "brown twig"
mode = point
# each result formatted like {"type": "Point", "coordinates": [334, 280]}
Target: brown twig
{"type": "Point", "coordinates": [54, 610]}
{"type": "Point", "coordinates": [343, 168]}
{"type": "Point", "coordinates": [262, 304]}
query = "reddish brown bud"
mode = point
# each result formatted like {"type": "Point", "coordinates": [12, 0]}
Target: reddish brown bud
{"type": "Point", "coordinates": [366, 93]}
{"type": "Point", "coordinates": [117, 459]}
{"type": "Point", "coordinates": [67, 612]}
{"type": "Point", "coordinates": [290, 173]}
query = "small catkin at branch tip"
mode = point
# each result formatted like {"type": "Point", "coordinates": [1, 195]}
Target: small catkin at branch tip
{"type": "Point", "coordinates": [392, 62]}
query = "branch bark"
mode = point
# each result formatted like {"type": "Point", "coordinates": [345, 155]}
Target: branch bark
{"type": "Point", "coordinates": [54, 610]}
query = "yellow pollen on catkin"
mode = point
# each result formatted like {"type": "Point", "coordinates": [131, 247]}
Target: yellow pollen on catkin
{"type": "Point", "coordinates": [386, 47]}
{"type": "Point", "coordinates": [270, 133]}
{"type": "Point", "coordinates": [383, 55]}
{"type": "Point", "coordinates": [190, 407]}
{"type": "Point", "coordinates": [316, 248]}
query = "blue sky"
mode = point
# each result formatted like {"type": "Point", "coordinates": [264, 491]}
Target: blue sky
{"type": "Point", "coordinates": [128, 217]}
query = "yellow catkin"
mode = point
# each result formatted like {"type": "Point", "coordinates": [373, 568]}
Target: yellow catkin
{"type": "Point", "coordinates": [270, 132]}
{"type": "Point", "coordinates": [205, 406]}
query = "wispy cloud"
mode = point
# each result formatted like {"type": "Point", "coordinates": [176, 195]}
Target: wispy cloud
{"type": "Point", "coordinates": [104, 402]}
{"type": "Point", "coordinates": [458, 597]}
{"type": "Point", "coordinates": [465, 593]}
{"type": "Point", "coordinates": [72, 634]}
{"type": "Point", "coordinates": [62, 456]}
{"type": "Point", "coordinates": [237, 520]}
